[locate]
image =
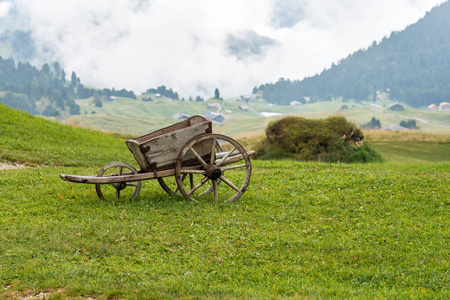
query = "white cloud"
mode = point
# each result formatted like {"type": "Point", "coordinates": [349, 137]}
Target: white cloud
{"type": "Point", "coordinates": [182, 44]}
{"type": "Point", "coordinates": [4, 8]}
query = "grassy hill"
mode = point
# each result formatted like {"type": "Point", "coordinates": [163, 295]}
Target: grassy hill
{"type": "Point", "coordinates": [302, 230]}
{"type": "Point", "coordinates": [35, 140]}
{"type": "Point", "coordinates": [139, 117]}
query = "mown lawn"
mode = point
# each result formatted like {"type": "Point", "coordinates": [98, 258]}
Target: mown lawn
{"type": "Point", "coordinates": [301, 230]}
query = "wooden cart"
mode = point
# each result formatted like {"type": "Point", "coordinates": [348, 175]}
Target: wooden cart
{"type": "Point", "coordinates": [186, 158]}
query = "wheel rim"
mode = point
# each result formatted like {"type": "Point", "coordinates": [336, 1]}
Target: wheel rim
{"type": "Point", "coordinates": [200, 160]}
{"type": "Point", "coordinates": [170, 186]}
{"type": "Point", "coordinates": [128, 190]}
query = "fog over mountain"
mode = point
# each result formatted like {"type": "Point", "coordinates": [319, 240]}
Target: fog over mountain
{"type": "Point", "coordinates": [195, 46]}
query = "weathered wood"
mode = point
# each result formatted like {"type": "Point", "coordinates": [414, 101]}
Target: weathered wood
{"type": "Point", "coordinates": [130, 176]}
{"type": "Point", "coordinates": [121, 185]}
{"type": "Point", "coordinates": [213, 171]}
{"type": "Point", "coordinates": [115, 179]}
{"type": "Point", "coordinates": [185, 148]}
{"type": "Point", "coordinates": [159, 150]}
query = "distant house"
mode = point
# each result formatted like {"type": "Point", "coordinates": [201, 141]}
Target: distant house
{"type": "Point", "coordinates": [396, 107]}
{"type": "Point", "coordinates": [395, 128]}
{"type": "Point", "coordinates": [270, 105]}
{"type": "Point", "coordinates": [243, 108]}
{"type": "Point", "coordinates": [215, 117]}
{"type": "Point", "coordinates": [378, 96]}
{"type": "Point", "coordinates": [180, 116]}
{"type": "Point", "coordinates": [249, 98]}
{"type": "Point", "coordinates": [444, 106]}
{"type": "Point", "coordinates": [433, 107]}
{"type": "Point", "coordinates": [295, 104]}
{"type": "Point", "coordinates": [344, 107]}
{"type": "Point", "coordinates": [214, 105]}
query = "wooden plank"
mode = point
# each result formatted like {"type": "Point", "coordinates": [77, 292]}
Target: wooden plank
{"type": "Point", "coordinates": [163, 151]}
{"type": "Point", "coordinates": [128, 176]}
{"type": "Point", "coordinates": [116, 179]}
{"type": "Point", "coordinates": [159, 150]}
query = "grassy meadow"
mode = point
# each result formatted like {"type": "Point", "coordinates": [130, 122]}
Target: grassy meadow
{"type": "Point", "coordinates": [139, 117]}
{"type": "Point", "coordinates": [302, 230]}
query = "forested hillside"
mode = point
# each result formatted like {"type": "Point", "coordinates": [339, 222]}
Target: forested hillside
{"type": "Point", "coordinates": [23, 86]}
{"type": "Point", "coordinates": [413, 65]}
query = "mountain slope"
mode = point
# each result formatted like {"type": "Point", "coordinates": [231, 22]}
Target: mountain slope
{"type": "Point", "coordinates": [414, 65]}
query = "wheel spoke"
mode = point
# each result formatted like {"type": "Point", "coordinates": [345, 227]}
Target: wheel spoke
{"type": "Point", "coordinates": [206, 159]}
{"type": "Point", "coordinates": [230, 184]}
{"type": "Point", "coordinates": [185, 171]}
{"type": "Point", "coordinates": [191, 180]}
{"type": "Point", "coordinates": [199, 157]}
{"type": "Point", "coordinates": [207, 192]}
{"type": "Point", "coordinates": [210, 189]}
{"type": "Point", "coordinates": [225, 157]}
{"type": "Point", "coordinates": [198, 185]}
{"type": "Point", "coordinates": [182, 180]}
{"type": "Point", "coordinates": [121, 169]}
{"type": "Point", "coordinates": [233, 167]}
{"type": "Point", "coordinates": [213, 151]}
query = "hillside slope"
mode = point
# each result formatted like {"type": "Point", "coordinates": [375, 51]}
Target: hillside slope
{"type": "Point", "coordinates": [34, 140]}
{"type": "Point", "coordinates": [335, 230]}
{"type": "Point", "coordinates": [414, 65]}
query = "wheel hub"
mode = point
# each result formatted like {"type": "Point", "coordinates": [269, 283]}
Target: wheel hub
{"type": "Point", "coordinates": [214, 172]}
{"type": "Point", "coordinates": [119, 186]}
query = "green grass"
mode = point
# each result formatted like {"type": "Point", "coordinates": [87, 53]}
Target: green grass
{"type": "Point", "coordinates": [302, 230]}
{"type": "Point", "coordinates": [413, 151]}
{"type": "Point", "coordinates": [138, 117]}
{"type": "Point", "coordinates": [34, 140]}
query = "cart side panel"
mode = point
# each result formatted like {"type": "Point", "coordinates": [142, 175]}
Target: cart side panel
{"type": "Point", "coordinates": [196, 119]}
{"type": "Point", "coordinates": [139, 146]}
{"type": "Point", "coordinates": [161, 152]}
{"type": "Point", "coordinates": [133, 145]}
{"type": "Point", "coordinates": [162, 131]}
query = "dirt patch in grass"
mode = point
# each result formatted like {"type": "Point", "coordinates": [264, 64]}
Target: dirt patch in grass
{"type": "Point", "coordinates": [11, 166]}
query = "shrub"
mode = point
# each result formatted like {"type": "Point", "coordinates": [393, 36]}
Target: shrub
{"type": "Point", "coordinates": [411, 124]}
{"type": "Point", "coordinates": [373, 124]}
{"type": "Point", "coordinates": [333, 139]}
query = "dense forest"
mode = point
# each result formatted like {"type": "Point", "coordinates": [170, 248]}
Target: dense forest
{"type": "Point", "coordinates": [412, 65]}
{"type": "Point", "coordinates": [24, 85]}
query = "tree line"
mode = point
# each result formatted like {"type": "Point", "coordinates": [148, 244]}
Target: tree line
{"type": "Point", "coordinates": [25, 85]}
{"type": "Point", "coordinates": [413, 66]}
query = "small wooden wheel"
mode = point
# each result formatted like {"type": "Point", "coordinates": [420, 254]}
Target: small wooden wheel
{"type": "Point", "coordinates": [115, 168]}
{"type": "Point", "coordinates": [200, 160]}
{"type": "Point", "coordinates": [169, 184]}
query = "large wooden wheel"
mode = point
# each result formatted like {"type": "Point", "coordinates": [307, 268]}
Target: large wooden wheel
{"type": "Point", "coordinates": [200, 168]}
{"type": "Point", "coordinates": [117, 190]}
{"type": "Point", "coordinates": [169, 184]}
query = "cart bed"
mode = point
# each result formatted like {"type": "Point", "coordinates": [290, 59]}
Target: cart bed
{"type": "Point", "coordinates": [159, 150]}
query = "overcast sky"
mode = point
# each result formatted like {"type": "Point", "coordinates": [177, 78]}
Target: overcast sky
{"type": "Point", "coordinates": [195, 46]}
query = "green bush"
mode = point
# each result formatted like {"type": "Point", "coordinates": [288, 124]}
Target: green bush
{"type": "Point", "coordinates": [333, 139]}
